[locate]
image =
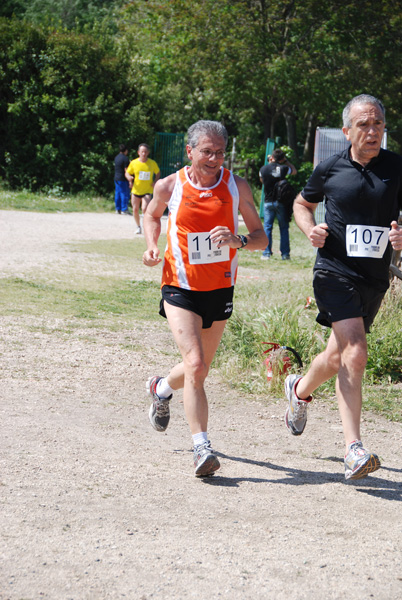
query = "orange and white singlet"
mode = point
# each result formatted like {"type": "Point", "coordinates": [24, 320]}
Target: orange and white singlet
{"type": "Point", "coordinates": [191, 261]}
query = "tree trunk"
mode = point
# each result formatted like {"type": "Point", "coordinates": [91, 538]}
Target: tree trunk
{"type": "Point", "coordinates": [267, 122]}
{"type": "Point", "coordinates": [308, 153]}
{"type": "Point", "coordinates": [291, 132]}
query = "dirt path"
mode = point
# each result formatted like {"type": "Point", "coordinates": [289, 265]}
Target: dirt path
{"type": "Point", "coordinates": [96, 505]}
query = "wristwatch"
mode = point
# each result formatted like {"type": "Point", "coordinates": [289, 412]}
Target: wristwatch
{"type": "Point", "coordinates": [244, 241]}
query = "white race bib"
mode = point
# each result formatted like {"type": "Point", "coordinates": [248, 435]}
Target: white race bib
{"type": "Point", "coordinates": [144, 175]}
{"type": "Point", "coordinates": [366, 240]}
{"type": "Point", "coordinates": [202, 251]}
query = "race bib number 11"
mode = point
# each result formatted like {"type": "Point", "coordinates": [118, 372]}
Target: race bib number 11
{"type": "Point", "coordinates": [202, 251]}
{"type": "Point", "coordinates": [366, 241]}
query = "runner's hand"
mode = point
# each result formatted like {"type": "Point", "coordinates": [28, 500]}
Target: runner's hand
{"type": "Point", "coordinates": [395, 236]}
{"type": "Point", "coordinates": [150, 258]}
{"type": "Point", "coordinates": [222, 236]}
{"type": "Point", "coordinates": [318, 235]}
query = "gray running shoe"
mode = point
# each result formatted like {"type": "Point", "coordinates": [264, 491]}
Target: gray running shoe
{"type": "Point", "coordinates": [296, 413]}
{"type": "Point", "coordinates": [159, 412]}
{"type": "Point", "coordinates": [359, 462]}
{"type": "Point", "coordinates": [138, 230]}
{"type": "Point", "coordinates": [205, 460]}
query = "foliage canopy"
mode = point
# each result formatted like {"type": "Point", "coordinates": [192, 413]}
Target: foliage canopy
{"type": "Point", "coordinates": [79, 77]}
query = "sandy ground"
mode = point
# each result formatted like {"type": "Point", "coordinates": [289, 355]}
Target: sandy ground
{"type": "Point", "coordinates": [97, 505]}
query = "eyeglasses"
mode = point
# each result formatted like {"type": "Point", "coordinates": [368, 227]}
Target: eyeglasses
{"type": "Point", "coordinates": [207, 153]}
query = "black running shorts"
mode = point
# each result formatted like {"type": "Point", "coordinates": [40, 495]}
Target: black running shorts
{"type": "Point", "coordinates": [216, 305]}
{"type": "Point", "coordinates": [339, 298]}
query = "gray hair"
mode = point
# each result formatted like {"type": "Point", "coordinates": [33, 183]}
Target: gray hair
{"type": "Point", "coordinates": [205, 128]}
{"type": "Point", "coordinates": [362, 99]}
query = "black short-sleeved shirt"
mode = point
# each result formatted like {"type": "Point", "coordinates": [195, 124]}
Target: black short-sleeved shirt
{"type": "Point", "coordinates": [121, 163]}
{"type": "Point", "coordinates": [356, 195]}
{"type": "Point", "coordinates": [271, 174]}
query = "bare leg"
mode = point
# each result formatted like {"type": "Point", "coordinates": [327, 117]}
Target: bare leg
{"type": "Point", "coordinates": [197, 347]}
{"type": "Point", "coordinates": [352, 343]}
{"type": "Point", "coordinates": [145, 201]}
{"type": "Point", "coordinates": [135, 203]}
{"type": "Point", "coordinates": [345, 355]}
{"type": "Point", "coordinates": [324, 366]}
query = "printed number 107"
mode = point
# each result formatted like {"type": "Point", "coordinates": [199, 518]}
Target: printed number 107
{"type": "Point", "coordinates": [367, 236]}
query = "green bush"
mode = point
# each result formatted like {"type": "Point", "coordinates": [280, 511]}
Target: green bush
{"type": "Point", "coordinates": [64, 109]}
{"type": "Point", "coordinates": [242, 348]}
{"type": "Point", "coordinates": [385, 341]}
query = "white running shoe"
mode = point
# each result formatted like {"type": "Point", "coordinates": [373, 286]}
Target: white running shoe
{"type": "Point", "coordinates": [359, 462]}
{"type": "Point", "coordinates": [296, 413]}
{"type": "Point", "coordinates": [205, 460]}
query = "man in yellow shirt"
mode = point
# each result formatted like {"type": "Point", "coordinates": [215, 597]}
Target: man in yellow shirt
{"type": "Point", "coordinates": [142, 173]}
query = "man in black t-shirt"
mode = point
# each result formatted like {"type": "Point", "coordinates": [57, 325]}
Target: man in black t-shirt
{"type": "Point", "coordinates": [122, 190]}
{"type": "Point", "coordinates": [362, 188]}
{"type": "Point", "coordinates": [277, 169]}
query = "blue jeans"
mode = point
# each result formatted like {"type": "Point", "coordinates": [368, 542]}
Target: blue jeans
{"type": "Point", "coordinates": [121, 195]}
{"type": "Point", "coordinates": [272, 210]}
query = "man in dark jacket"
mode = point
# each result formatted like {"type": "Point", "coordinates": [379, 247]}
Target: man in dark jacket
{"type": "Point", "coordinates": [276, 170]}
{"type": "Point", "coordinates": [122, 191]}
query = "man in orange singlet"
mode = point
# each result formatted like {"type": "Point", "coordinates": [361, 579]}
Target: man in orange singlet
{"type": "Point", "coordinates": [199, 273]}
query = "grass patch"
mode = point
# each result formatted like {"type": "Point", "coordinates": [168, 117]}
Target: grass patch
{"type": "Point", "coordinates": [270, 306]}
{"type": "Point", "coordinates": [385, 341]}
{"type": "Point", "coordinates": [111, 248]}
{"type": "Point", "coordinates": [54, 201]}
{"type": "Point", "coordinates": [384, 400]}
{"type": "Point", "coordinates": [133, 300]}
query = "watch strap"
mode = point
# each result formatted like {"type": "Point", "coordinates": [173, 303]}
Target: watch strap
{"type": "Point", "coordinates": [244, 241]}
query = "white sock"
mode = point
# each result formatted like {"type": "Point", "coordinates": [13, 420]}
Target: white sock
{"type": "Point", "coordinates": [200, 438]}
{"type": "Point", "coordinates": [163, 389]}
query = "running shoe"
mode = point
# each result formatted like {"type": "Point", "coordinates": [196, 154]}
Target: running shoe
{"type": "Point", "coordinates": [138, 230]}
{"type": "Point", "coordinates": [159, 412]}
{"type": "Point", "coordinates": [296, 413]}
{"type": "Point", "coordinates": [205, 460]}
{"type": "Point", "coordinates": [359, 462]}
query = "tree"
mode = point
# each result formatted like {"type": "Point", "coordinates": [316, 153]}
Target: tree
{"type": "Point", "coordinates": [63, 13]}
{"type": "Point", "coordinates": [65, 108]}
{"type": "Point", "coordinates": [70, 92]}
{"type": "Point", "coordinates": [258, 63]}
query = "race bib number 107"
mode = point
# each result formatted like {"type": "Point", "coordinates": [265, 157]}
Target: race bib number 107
{"type": "Point", "coordinates": [202, 251]}
{"type": "Point", "coordinates": [366, 241]}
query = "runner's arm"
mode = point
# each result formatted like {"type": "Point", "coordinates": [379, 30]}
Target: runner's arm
{"type": "Point", "coordinates": [304, 217]}
{"type": "Point", "coordinates": [152, 219]}
{"type": "Point", "coordinates": [256, 238]}
{"type": "Point", "coordinates": [129, 177]}
{"type": "Point", "coordinates": [157, 176]}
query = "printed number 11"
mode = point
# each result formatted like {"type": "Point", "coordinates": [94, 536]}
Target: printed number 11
{"type": "Point", "coordinates": [208, 239]}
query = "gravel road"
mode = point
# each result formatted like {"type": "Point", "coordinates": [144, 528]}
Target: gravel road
{"type": "Point", "coordinates": [97, 505]}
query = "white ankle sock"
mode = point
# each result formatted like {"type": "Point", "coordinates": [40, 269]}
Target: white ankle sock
{"type": "Point", "coordinates": [163, 389]}
{"type": "Point", "coordinates": [200, 438]}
